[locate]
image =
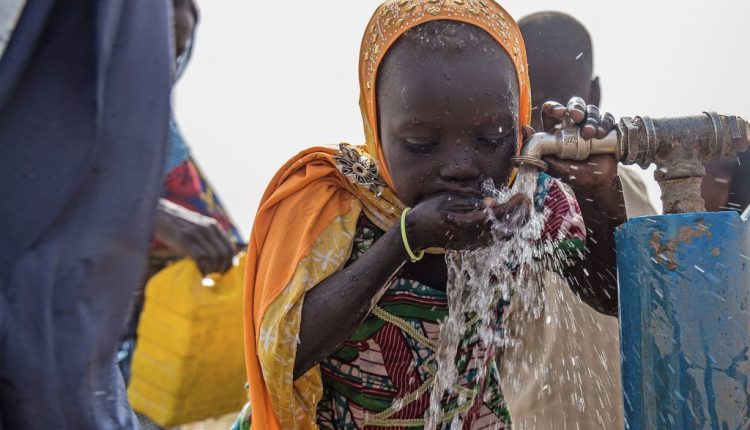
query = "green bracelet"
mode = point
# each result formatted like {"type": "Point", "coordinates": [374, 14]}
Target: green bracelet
{"type": "Point", "coordinates": [414, 258]}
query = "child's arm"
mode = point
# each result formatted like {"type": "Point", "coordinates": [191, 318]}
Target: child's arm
{"type": "Point", "coordinates": [599, 194]}
{"type": "Point", "coordinates": [335, 307]}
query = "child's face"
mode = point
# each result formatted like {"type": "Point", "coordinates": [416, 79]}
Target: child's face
{"type": "Point", "coordinates": [447, 122]}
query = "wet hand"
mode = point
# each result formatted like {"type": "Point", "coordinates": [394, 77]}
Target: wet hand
{"type": "Point", "coordinates": [196, 236]}
{"type": "Point", "coordinates": [460, 222]}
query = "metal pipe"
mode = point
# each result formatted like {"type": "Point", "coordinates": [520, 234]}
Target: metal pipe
{"type": "Point", "coordinates": [678, 146]}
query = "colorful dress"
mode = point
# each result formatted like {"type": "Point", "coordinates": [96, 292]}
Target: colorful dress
{"type": "Point", "coordinates": [381, 377]}
{"type": "Point", "coordinates": [187, 186]}
{"type": "Point", "coordinates": [391, 356]}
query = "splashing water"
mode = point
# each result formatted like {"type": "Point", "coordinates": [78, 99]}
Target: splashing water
{"type": "Point", "coordinates": [477, 281]}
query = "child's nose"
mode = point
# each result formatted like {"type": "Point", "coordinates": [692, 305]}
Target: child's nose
{"type": "Point", "coordinates": [460, 168]}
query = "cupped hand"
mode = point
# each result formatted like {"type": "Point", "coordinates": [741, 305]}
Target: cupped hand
{"type": "Point", "coordinates": [196, 236]}
{"type": "Point", "coordinates": [461, 222]}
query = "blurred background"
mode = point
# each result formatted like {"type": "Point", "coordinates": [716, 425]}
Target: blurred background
{"type": "Point", "coordinates": [268, 79]}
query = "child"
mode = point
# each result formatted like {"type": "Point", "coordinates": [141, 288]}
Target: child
{"type": "Point", "coordinates": [342, 304]}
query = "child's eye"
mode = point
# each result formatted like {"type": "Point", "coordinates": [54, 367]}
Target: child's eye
{"type": "Point", "coordinates": [421, 145]}
{"type": "Point", "coordinates": [494, 136]}
{"type": "Point", "coordinates": [492, 142]}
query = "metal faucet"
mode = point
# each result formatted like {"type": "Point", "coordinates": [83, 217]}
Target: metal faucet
{"type": "Point", "coordinates": [678, 146]}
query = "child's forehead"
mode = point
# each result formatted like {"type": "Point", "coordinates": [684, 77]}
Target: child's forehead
{"type": "Point", "coordinates": [410, 70]}
{"type": "Point", "coordinates": [447, 46]}
{"type": "Point", "coordinates": [468, 99]}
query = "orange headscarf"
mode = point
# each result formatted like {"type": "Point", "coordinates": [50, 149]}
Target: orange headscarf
{"type": "Point", "coordinates": [309, 191]}
{"type": "Point", "coordinates": [394, 18]}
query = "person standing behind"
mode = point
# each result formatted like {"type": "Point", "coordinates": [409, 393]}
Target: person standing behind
{"type": "Point", "coordinates": [726, 185]}
{"type": "Point", "coordinates": [191, 220]}
{"type": "Point", "coordinates": [84, 111]}
{"type": "Point", "coordinates": [566, 371]}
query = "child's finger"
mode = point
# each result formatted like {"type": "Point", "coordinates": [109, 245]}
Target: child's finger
{"type": "Point", "coordinates": [577, 109]}
{"type": "Point", "coordinates": [552, 114]}
{"type": "Point", "coordinates": [553, 110]}
{"type": "Point", "coordinates": [605, 126]}
{"type": "Point", "coordinates": [593, 118]}
{"type": "Point", "coordinates": [517, 210]}
{"type": "Point", "coordinates": [463, 219]}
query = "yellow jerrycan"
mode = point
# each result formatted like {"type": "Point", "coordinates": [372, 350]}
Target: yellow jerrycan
{"type": "Point", "coordinates": [188, 363]}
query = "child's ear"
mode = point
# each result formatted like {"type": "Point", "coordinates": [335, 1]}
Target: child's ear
{"type": "Point", "coordinates": [595, 93]}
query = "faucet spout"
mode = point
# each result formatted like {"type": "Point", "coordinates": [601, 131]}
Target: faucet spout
{"type": "Point", "coordinates": [566, 144]}
{"type": "Point", "coordinates": [534, 149]}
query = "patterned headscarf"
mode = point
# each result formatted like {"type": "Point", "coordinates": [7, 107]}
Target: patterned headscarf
{"type": "Point", "coordinates": [393, 18]}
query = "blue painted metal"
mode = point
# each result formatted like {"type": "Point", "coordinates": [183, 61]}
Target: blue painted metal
{"type": "Point", "coordinates": [685, 324]}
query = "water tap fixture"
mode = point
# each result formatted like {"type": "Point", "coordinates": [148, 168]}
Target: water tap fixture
{"type": "Point", "coordinates": [678, 146]}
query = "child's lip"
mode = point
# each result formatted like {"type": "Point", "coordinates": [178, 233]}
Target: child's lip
{"type": "Point", "coordinates": [471, 191]}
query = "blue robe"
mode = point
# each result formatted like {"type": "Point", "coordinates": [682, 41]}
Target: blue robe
{"type": "Point", "coordinates": [84, 115]}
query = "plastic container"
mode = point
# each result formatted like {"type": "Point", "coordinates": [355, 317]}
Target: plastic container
{"type": "Point", "coordinates": [188, 363]}
{"type": "Point", "coordinates": [684, 315]}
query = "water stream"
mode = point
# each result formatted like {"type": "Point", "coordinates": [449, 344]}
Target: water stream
{"type": "Point", "coordinates": [479, 282]}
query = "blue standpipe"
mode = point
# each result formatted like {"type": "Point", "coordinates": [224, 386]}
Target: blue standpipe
{"type": "Point", "coordinates": [685, 321]}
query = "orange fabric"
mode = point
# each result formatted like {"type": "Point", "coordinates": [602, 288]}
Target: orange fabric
{"type": "Point", "coordinates": [309, 192]}
{"type": "Point", "coordinates": [302, 199]}
{"type": "Point", "coordinates": [289, 209]}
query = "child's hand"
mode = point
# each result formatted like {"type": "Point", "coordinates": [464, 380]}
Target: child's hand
{"type": "Point", "coordinates": [593, 124]}
{"type": "Point", "coordinates": [456, 221]}
{"type": "Point", "coordinates": [598, 171]}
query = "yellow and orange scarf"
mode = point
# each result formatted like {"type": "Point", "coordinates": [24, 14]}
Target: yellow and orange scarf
{"type": "Point", "coordinates": [304, 225]}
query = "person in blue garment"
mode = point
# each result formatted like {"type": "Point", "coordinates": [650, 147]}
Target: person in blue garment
{"type": "Point", "coordinates": [84, 114]}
